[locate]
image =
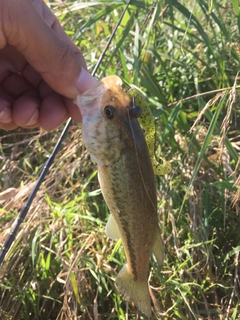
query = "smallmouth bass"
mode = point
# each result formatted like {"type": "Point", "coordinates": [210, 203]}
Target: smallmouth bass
{"type": "Point", "coordinates": [115, 141]}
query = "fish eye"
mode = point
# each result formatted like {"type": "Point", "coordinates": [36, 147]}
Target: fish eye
{"type": "Point", "coordinates": [109, 111]}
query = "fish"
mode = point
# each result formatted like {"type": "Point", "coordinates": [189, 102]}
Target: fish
{"type": "Point", "coordinates": [116, 143]}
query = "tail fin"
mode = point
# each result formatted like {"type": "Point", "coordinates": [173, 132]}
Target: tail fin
{"type": "Point", "coordinates": [134, 290]}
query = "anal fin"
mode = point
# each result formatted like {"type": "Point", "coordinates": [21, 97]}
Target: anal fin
{"type": "Point", "coordinates": [112, 230]}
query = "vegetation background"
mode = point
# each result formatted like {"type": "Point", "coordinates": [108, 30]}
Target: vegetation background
{"type": "Point", "coordinates": [185, 55]}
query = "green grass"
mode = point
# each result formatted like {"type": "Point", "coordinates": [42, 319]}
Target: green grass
{"type": "Point", "coordinates": [185, 56]}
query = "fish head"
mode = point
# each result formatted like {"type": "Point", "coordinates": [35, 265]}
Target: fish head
{"type": "Point", "coordinates": [106, 120]}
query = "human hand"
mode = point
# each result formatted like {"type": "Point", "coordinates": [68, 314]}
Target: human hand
{"type": "Point", "coordinates": [41, 69]}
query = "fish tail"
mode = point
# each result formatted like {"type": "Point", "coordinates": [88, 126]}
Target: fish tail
{"type": "Point", "coordinates": [134, 290]}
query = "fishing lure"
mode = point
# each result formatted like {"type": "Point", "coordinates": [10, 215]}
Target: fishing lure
{"type": "Point", "coordinates": [146, 120]}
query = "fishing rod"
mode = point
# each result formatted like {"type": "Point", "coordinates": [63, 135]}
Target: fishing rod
{"type": "Point", "coordinates": [50, 160]}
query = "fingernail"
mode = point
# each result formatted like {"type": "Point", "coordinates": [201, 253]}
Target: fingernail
{"type": "Point", "coordinates": [2, 113]}
{"type": "Point", "coordinates": [5, 115]}
{"type": "Point", "coordinates": [85, 81]}
{"type": "Point", "coordinates": [34, 118]}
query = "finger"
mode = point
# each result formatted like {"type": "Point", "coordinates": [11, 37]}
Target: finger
{"type": "Point", "coordinates": [16, 85]}
{"type": "Point", "coordinates": [5, 114]}
{"type": "Point", "coordinates": [5, 108]}
{"type": "Point", "coordinates": [52, 21]}
{"type": "Point", "coordinates": [57, 62]}
{"type": "Point", "coordinates": [48, 16]}
{"type": "Point", "coordinates": [73, 110]}
{"type": "Point", "coordinates": [11, 60]}
{"type": "Point", "coordinates": [31, 75]}
{"type": "Point", "coordinates": [44, 90]}
{"type": "Point", "coordinates": [52, 112]}
{"type": "Point", "coordinates": [49, 111]}
{"type": "Point", "coordinates": [25, 111]}
{"type": "Point", "coordinates": [8, 126]}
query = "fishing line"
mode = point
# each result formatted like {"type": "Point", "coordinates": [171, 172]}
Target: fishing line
{"type": "Point", "coordinates": [188, 24]}
{"type": "Point", "coordinates": [50, 160]}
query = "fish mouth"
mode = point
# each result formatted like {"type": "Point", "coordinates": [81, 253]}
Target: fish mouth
{"type": "Point", "coordinates": [88, 101]}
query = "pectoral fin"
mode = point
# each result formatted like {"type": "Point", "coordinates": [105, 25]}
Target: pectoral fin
{"type": "Point", "coordinates": [158, 249]}
{"type": "Point", "coordinates": [111, 229]}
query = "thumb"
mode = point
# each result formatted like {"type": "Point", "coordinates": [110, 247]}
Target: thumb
{"type": "Point", "coordinates": [32, 28]}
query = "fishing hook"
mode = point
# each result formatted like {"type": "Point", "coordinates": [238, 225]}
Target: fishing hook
{"type": "Point", "coordinates": [50, 160]}
{"type": "Point", "coordinates": [134, 111]}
